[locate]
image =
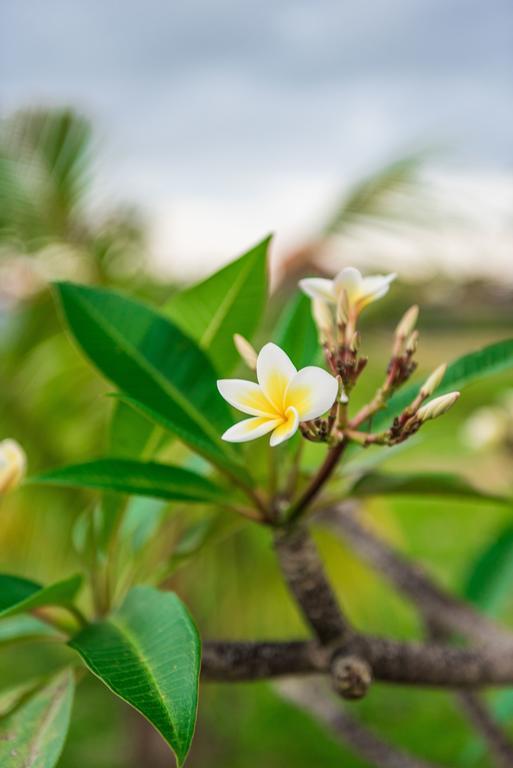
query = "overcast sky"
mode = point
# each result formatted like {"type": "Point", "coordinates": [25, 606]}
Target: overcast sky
{"type": "Point", "coordinates": [224, 120]}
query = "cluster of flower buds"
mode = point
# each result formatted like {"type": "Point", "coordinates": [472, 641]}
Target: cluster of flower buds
{"type": "Point", "coordinates": [13, 463]}
{"type": "Point", "coordinates": [402, 365]}
{"type": "Point", "coordinates": [316, 402]}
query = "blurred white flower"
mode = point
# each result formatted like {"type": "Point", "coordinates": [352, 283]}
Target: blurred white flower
{"type": "Point", "coordinates": [487, 428]}
{"type": "Point", "coordinates": [359, 290]}
{"type": "Point", "coordinates": [13, 464]}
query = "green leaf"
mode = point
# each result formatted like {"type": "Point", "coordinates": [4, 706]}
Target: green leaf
{"type": "Point", "coordinates": [140, 478]}
{"type": "Point", "coordinates": [230, 301]}
{"type": "Point", "coordinates": [489, 581]}
{"type": "Point", "coordinates": [19, 628]}
{"type": "Point", "coordinates": [33, 734]}
{"type": "Point", "coordinates": [18, 595]}
{"type": "Point", "coordinates": [418, 484]}
{"type": "Point", "coordinates": [463, 371]}
{"type": "Point", "coordinates": [296, 332]}
{"type": "Point", "coordinates": [159, 368]}
{"type": "Point", "coordinates": [130, 431]}
{"type": "Point", "coordinates": [488, 585]}
{"type": "Point", "coordinates": [148, 653]}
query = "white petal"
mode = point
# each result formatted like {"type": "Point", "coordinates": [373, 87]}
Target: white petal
{"type": "Point", "coordinates": [312, 392]}
{"type": "Point", "coordinates": [349, 279]}
{"type": "Point", "coordinates": [250, 429]}
{"type": "Point", "coordinates": [318, 288]}
{"type": "Point", "coordinates": [274, 371]}
{"type": "Point", "coordinates": [287, 429]}
{"type": "Point", "coordinates": [376, 286]}
{"type": "Point", "coordinates": [246, 396]}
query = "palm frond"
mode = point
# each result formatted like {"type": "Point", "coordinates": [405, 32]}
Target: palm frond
{"type": "Point", "coordinates": [392, 193]}
{"type": "Point", "coordinates": [44, 173]}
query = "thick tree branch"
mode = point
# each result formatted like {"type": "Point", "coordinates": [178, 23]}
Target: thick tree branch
{"type": "Point", "coordinates": [428, 664]}
{"type": "Point", "coordinates": [227, 661]}
{"type": "Point", "coordinates": [478, 715]}
{"type": "Point", "coordinates": [442, 613]}
{"type": "Point", "coordinates": [313, 697]}
{"type": "Point", "coordinates": [446, 611]}
{"type": "Point", "coordinates": [304, 573]}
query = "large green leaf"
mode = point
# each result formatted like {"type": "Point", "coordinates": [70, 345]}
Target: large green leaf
{"type": "Point", "coordinates": [230, 301]}
{"type": "Point", "coordinates": [296, 332]}
{"type": "Point", "coordinates": [418, 484]}
{"type": "Point", "coordinates": [154, 363]}
{"type": "Point", "coordinates": [136, 477]}
{"type": "Point", "coordinates": [131, 433]}
{"type": "Point", "coordinates": [148, 653]}
{"type": "Point", "coordinates": [33, 734]}
{"type": "Point", "coordinates": [18, 595]}
{"type": "Point", "coordinates": [490, 578]}
{"type": "Point", "coordinates": [472, 367]}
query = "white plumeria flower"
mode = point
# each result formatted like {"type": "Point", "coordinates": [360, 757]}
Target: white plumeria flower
{"type": "Point", "coordinates": [282, 398]}
{"type": "Point", "coordinates": [12, 465]}
{"type": "Point", "coordinates": [360, 290]}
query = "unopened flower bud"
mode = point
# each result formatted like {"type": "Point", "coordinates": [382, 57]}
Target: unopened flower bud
{"type": "Point", "coordinates": [433, 381]}
{"type": "Point", "coordinates": [411, 344]}
{"type": "Point", "coordinates": [355, 343]}
{"type": "Point", "coordinates": [408, 322]}
{"type": "Point", "coordinates": [343, 308]}
{"type": "Point", "coordinates": [437, 407]}
{"type": "Point", "coordinates": [246, 351]}
{"type": "Point", "coordinates": [13, 463]}
{"type": "Point", "coordinates": [322, 318]}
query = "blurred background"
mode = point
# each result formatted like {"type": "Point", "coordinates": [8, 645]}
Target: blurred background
{"type": "Point", "coordinates": [142, 145]}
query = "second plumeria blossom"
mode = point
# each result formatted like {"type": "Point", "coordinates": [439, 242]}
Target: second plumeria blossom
{"type": "Point", "coordinates": [359, 290]}
{"type": "Point", "coordinates": [282, 398]}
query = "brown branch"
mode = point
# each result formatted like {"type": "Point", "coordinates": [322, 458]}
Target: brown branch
{"type": "Point", "coordinates": [449, 612]}
{"type": "Point", "coordinates": [442, 613]}
{"type": "Point", "coordinates": [312, 696]}
{"type": "Point", "coordinates": [498, 743]}
{"type": "Point", "coordinates": [304, 573]}
{"type": "Point", "coordinates": [478, 715]}
{"type": "Point", "coordinates": [428, 664]}
{"type": "Point", "coordinates": [227, 661]}
{"type": "Point", "coordinates": [318, 481]}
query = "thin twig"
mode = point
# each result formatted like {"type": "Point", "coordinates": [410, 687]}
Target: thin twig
{"type": "Point", "coordinates": [314, 698]}
{"type": "Point", "coordinates": [497, 741]}
{"type": "Point", "coordinates": [318, 481]}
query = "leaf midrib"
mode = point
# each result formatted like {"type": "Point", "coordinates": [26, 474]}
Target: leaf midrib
{"type": "Point", "coordinates": [139, 654]}
{"type": "Point", "coordinates": [214, 325]}
{"type": "Point", "coordinates": [193, 484]}
{"type": "Point", "coordinates": [46, 720]}
{"type": "Point", "coordinates": [165, 384]}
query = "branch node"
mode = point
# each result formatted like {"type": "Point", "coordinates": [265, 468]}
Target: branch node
{"type": "Point", "coordinates": [351, 676]}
